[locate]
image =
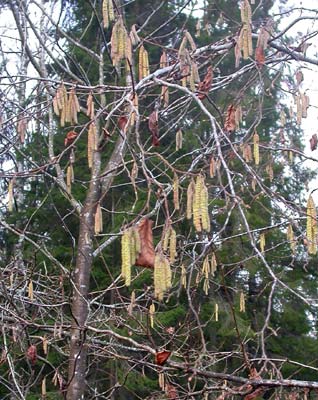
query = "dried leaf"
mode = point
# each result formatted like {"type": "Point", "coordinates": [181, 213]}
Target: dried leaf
{"type": "Point", "coordinates": [146, 257]}
{"type": "Point", "coordinates": [260, 56]}
{"type": "Point", "coordinates": [205, 85]}
{"type": "Point", "coordinates": [313, 142]}
{"type": "Point", "coordinates": [154, 127]}
{"type": "Point", "coordinates": [299, 77]}
{"type": "Point", "coordinates": [171, 392]}
{"type": "Point", "coordinates": [69, 138]}
{"type": "Point", "coordinates": [31, 354]}
{"type": "Point", "coordinates": [161, 357]}
{"type": "Point", "coordinates": [230, 121]}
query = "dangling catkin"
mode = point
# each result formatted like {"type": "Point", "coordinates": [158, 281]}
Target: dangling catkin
{"type": "Point", "coordinates": [98, 220]}
{"type": "Point", "coordinates": [256, 147]}
{"type": "Point", "coordinates": [179, 139]}
{"type": "Point", "coordinates": [262, 242]}
{"type": "Point", "coordinates": [242, 302]}
{"type": "Point", "coordinates": [311, 230]}
{"type": "Point", "coordinates": [152, 314]}
{"type": "Point", "coordinates": [197, 204]}
{"type": "Point", "coordinates": [183, 278]}
{"type": "Point", "coordinates": [10, 196]}
{"type": "Point", "coordinates": [126, 257]}
{"type": "Point", "coordinates": [190, 195]}
{"type": "Point", "coordinates": [175, 186]}
{"type": "Point", "coordinates": [291, 238]}
{"type": "Point", "coordinates": [30, 290]}
{"type": "Point", "coordinates": [173, 245]}
{"type": "Point", "coordinates": [91, 143]}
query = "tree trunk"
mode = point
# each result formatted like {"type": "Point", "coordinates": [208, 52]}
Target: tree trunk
{"type": "Point", "coordinates": [78, 347]}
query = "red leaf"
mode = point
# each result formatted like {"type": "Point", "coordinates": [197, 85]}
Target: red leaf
{"type": "Point", "coordinates": [162, 357]}
{"type": "Point", "coordinates": [70, 137]}
{"type": "Point", "coordinates": [171, 392]}
{"type": "Point", "coordinates": [313, 142]}
{"type": "Point", "coordinates": [230, 124]}
{"type": "Point", "coordinates": [260, 56]}
{"type": "Point", "coordinates": [256, 393]}
{"type": "Point", "coordinates": [205, 85]}
{"type": "Point", "coordinates": [146, 257]}
{"type": "Point", "coordinates": [154, 128]}
{"type": "Point", "coordinates": [32, 354]}
{"type": "Point", "coordinates": [122, 123]}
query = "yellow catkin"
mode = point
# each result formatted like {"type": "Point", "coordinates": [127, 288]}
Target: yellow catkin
{"type": "Point", "coordinates": [98, 220]}
{"type": "Point", "coordinates": [183, 279]}
{"type": "Point", "coordinates": [10, 196]}
{"type": "Point", "coordinates": [43, 388]}
{"type": "Point", "coordinates": [159, 277]}
{"type": "Point", "coordinates": [242, 302]}
{"type": "Point", "coordinates": [256, 148]}
{"type": "Point", "coordinates": [166, 238]}
{"type": "Point", "coordinates": [216, 312]}
{"type": "Point", "coordinates": [90, 106]}
{"type": "Point", "coordinates": [238, 116]}
{"type": "Point", "coordinates": [204, 202]}
{"type": "Point", "coordinates": [212, 168]}
{"type": "Point", "coordinates": [30, 291]}
{"type": "Point", "coordinates": [143, 63]}
{"type": "Point", "coordinates": [69, 177]}
{"type": "Point", "coordinates": [108, 13]}
{"type": "Point", "coordinates": [118, 42]}
{"type": "Point", "coordinates": [137, 242]}
{"type": "Point", "coordinates": [152, 314]}
{"type": "Point", "coordinates": [206, 267]}
{"type": "Point", "coordinates": [197, 204]}
{"type": "Point", "coordinates": [92, 143]}
{"type": "Point", "coordinates": [262, 242]}
{"type": "Point", "coordinates": [190, 195]}
{"type": "Point", "coordinates": [175, 187]}
{"type": "Point", "coordinates": [173, 245]}
{"type": "Point", "coordinates": [246, 31]}
{"type": "Point", "coordinates": [162, 275]}
{"type": "Point", "coordinates": [206, 286]}
{"type": "Point", "coordinates": [299, 112]}
{"type": "Point", "coordinates": [213, 264]}
{"type": "Point", "coordinates": [133, 35]}
{"type": "Point", "coordinates": [45, 345]}
{"type": "Point", "coordinates": [126, 258]}
{"type": "Point", "coordinates": [179, 139]}
{"type": "Point", "coordinates": [291, 238]}
{"type": "Point", "coordinates": [311, 230]}
{"type": "Point", "coordinates": [161, 379]}
{"type": "Point", "coordinates": [132, 303]}
{"type": "Point", "coordinates": [165, 96]}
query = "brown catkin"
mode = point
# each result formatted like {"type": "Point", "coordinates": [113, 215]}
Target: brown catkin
{"type": "Point", "coordinates": [175, 186]}
{"type": "Point", "coordinates": [190, 195]}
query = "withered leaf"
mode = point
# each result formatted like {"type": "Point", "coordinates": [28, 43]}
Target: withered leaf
{"type": "Point", "coordinates": [122, 123]}
{"type": "Point", "coordinates": [146, 257]}
{"type": "Point", "coordinates": [154, 128]}
{"type": "Point", "coordinates": [260, 56]}
{"type": "Point", "coordinates": [171, 392]}
{"type": "Point", "coordinates": [230, 124]}
{"type": "Point", "coordinates": [313, 142]}
{"type": "Point", "coordinates": [256, 393]}
{"type": "Point", "coordinates": [299, 77]}
{"type": "Point", "coordinates": [205, 85]}
{"type": "Point", "coordinates": [32, 354]}
{"type": "Point", "coordinates": [70, 137]}
{"type": "Point", "coordinates": [162, 357]}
